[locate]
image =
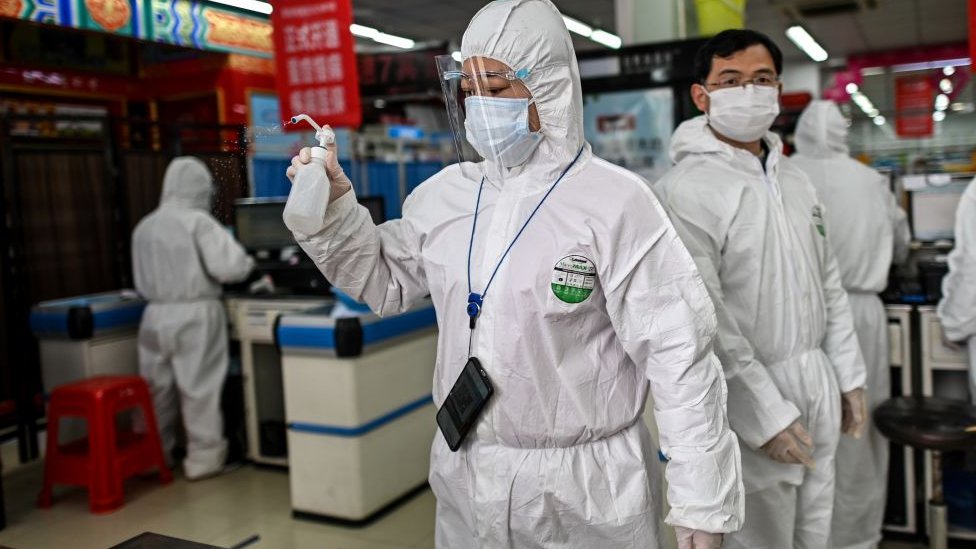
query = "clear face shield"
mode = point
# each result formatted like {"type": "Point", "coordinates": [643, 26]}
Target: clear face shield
{"type": "Point", "coordinates": [491, 113]}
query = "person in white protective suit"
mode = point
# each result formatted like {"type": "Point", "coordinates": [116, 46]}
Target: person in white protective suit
{"type": "Point", "coordinates": [875, 232]}
{"type": "Point", "coordinates": [180, 257]}
{"type": "Point", "coordinates": [754, 226]}
{"type": "Point", "coordinates": [559, 458]}
{"type": "Point", "coordinates": [957, 309]}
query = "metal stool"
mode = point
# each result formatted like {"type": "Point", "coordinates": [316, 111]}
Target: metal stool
{"type": "Point", "coordinates": [933, 424]}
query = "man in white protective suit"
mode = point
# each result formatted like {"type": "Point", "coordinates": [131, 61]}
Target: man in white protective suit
{"type": "Point", "coordinates": [562, 275]}
{"type": "Point", "coordinates": [957, 309]}
{"type": "Point", "coordinates": [180, 257]}
{"type": "Point", "coordinates": [754, 225]}
{"type": "Point", "coordinates": [874, 233]}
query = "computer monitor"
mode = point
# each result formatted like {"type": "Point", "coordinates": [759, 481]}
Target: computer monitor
{"type": "Point", "coordinates": [376, 206]}
{"type": "Point", "coordinates": [259, 224]}
{"type": "Point", "coordinates": [933, 211]}
{"type": "Point", "coordinates": [260, 227]}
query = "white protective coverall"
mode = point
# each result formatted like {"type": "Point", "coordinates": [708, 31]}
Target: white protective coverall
{"type": "Point", "coordinates": [861, 208]}
{"type": "Point", "coordinates": [180, 257]}
{"type": "Point", "coordinates": [786, 336]}
{"type": "Point", "coordinates": [560, 457]}
{"type": "Point", "coordinates": [957, 310]}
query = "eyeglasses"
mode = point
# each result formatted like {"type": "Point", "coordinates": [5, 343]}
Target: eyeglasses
{"type": "Point", "coordinates": [764, 81]}
{"type": "Point", "coordinates": [484, 82]}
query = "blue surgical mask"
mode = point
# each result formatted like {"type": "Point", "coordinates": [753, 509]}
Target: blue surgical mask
{"type": "Point", "coordinates": [498, 128]}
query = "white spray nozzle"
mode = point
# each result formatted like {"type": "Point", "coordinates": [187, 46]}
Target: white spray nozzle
{"type": "Point", "coordinates": [324, 135]}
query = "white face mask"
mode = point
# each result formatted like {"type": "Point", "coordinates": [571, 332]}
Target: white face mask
{"type": "Point", "coordinates": [498, 128]}
{"type": "Point", "coordinates": [743, 114]}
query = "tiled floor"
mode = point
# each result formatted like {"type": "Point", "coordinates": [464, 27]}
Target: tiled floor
{"type": "Point", "coordinates": [223, 511]}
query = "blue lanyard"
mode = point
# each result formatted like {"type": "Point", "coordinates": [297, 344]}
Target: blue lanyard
{"type": "Point", "coordinates": [475, 300]}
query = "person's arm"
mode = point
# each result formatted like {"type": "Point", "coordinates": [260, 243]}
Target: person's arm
{"type": "Point", "coordinates": [757, 409]}
{"type": "Point", "coordinates": [840, 342]}
{"type": "Point", "coordinates": [377, 265]}
{"type": "Point", "coordinates": [224, 259]}
{"type": "Point", "coordinates": [957, 310]}
{"type": "Point", "coordinates": [664, 319]}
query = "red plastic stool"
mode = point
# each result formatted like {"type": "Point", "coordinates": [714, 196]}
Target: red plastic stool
{"type": "Point", "coordinates": [107, 457]}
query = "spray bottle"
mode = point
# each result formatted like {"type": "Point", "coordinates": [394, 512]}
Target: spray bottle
{"type": "Point", "coordinates": [309, 196]}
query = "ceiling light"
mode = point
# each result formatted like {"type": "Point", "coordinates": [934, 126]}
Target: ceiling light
{"type": "Point", "coordinates": [938, 116]}
{"type": "Point", "coordinates": [578, 27]}
{"type": "Point", "coordinates": [805, 42]}
{"type": "Point", "coordinates": [961, 107]}
{"type": "Point", "coordinates": [381, 37]}
{"type": "Point", "coordinates": [941, 102]}
{"type": "Point", "coordinates": [929, 65]}
{"type": "Point", "coordinates": [872, 71]}
{"type": "Point", "coordinates": [879, 120]}
{"type": "Point", "coordinates": [458, 57]}
{"type": "Point", "coordinates": [607, 39]}
{"type": "Point", "coordinates": [393, 40]}
{"type": "Point", "coordinates": [249, 5]}
{"type": "Point", "coordinates": [874, 113]}
{"type": "Point", "coordinates": [946, 85]}
{"type": "Point", "coordinates": [363, 31]}
{"type": "Point", "coordinates": [851, 88]}
{"type": "Point", "coordinates": [949, 71]}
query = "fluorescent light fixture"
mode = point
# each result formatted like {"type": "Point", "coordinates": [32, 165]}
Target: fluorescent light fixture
{"type": "Point", "coordinates": [394, 40]}
{"type": "Point", "coordinates": [363, 31]}
{"type": "Point", "coordinates": [851, 88]}
{"type": "Point", "coordinates": [805, 42]}
{"type": "Point", "coordinates": [946, 85]}
{"type": "Point", "coordinates": [961, 107]}
{"type": "Point", "coordinates": [874, 113]}
{"type": "Point", "coordinates": [941, 102]}
{"type": "Point", "coordinates": [879, 120]}
{"type": "Point", "coordinates": [249, 5]}
{"type": "Point", "coordinates": [938, 116]}
{"type": "Point", "coordinates": [457, 57]}
{"type": "Point", "coordinates": [909, 67]}
{"type": "Point", "coordinates": [578, 27]}
{"type": "Point", "coordinates": [872, 71]}
{"type": "Point", "coordinates": [381, 37]}
{"type": "Point", "coordinates": [949, 71]}
{"type": "Point", "coordinates": [607, 39]}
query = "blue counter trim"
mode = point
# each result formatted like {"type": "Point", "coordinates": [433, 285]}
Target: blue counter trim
{"type": "Point", "coordinates": [354, 432]}
{"type": "Point", "coordinates": [56, 322]}
{"type": "Point", "coordinates": [324, 337]}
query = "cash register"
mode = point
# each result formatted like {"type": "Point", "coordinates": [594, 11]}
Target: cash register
{"type": "Point", "coordinates": [294, 284]}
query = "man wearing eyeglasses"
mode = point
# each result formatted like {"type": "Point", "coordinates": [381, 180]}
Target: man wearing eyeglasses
{"type": "Point", "coordinates": [755, 228]}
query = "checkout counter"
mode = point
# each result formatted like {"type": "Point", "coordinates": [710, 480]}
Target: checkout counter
{"type": "Point", "coordinates": [88, 336]}
{"type": "Point", "coordinates": [358, 406]}
{"type": "Point", "coordinates": [923, 365]}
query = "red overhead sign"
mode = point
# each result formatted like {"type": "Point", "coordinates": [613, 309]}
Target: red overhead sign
{"type": "Point", "coordinates": [914, 101]}
{"type": "Point", "coordinates": [972, 33]}
{"type": "Point", "coordinates": [316, 61]}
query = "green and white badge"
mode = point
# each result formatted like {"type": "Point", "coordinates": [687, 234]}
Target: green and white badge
{"type": "Point", "coordinates": [573, 279]}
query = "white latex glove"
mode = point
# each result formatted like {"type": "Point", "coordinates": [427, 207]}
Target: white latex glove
{"type": "Point", "coordinates": [854, 413]}
{"type": "Point", "coordinates": [694, 539]}
{"type": "Point", "coordinates": [792, 445]}
{"type": "Point", "coordinates": [340, 183]}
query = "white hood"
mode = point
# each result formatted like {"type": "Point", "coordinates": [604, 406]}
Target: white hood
{"type": "Point", "coordinates": [187, 184]}
{"type": "Point", "coordinates": [821, 131]}
{"type": "Point", "coordinates": [694, 137]}
{"type": "Point", "coordinates": [531, 35]}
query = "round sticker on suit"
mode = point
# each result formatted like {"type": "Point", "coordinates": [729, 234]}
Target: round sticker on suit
{"type": "Point", "coordinates": [573, 279]}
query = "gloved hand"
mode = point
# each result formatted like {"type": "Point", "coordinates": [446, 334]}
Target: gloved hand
{"type": "Point", "coordinates": [694, 539]}
{"type": "Point", "coordinates": [854, 413]}
{"type": "Point", "coordinates": [792, 445]}
{"type": "Point", "coordinates": [340, 183]}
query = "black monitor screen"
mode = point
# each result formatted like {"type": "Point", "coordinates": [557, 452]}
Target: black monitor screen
{"type": "Point", "coordinates": [259, 225]}
{"type": "Point", "coordinates": [376, 206]}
